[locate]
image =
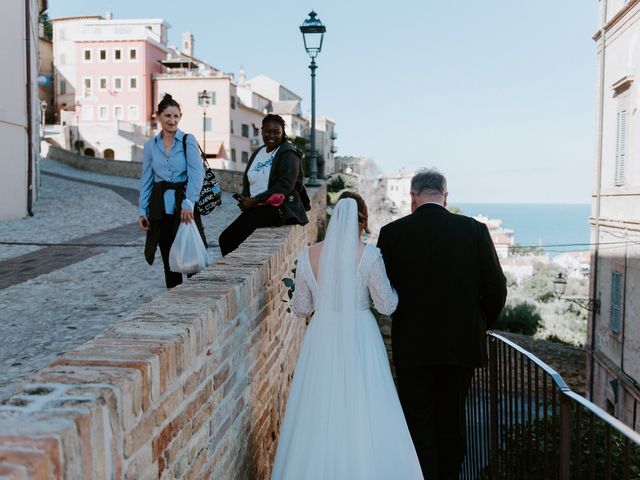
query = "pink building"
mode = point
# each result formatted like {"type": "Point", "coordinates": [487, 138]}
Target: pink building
{"type": "Point", "coordinates": [107, 65]}
{"type": "Point", "coordinates": [115, 79]}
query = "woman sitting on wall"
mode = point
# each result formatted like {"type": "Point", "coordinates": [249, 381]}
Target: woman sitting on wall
{"type": "Point", "coordinates": [170, 185]}
{"type": "Point", "coordinates": [272, 193]}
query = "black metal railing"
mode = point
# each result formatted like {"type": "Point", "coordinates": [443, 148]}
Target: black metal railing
{"type": "Point", "coordinates": [524, 422]}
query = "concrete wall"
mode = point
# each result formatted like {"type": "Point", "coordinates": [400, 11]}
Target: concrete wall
{"type": "Point", "coordinates": [230, 181]}
{"type": "Point", "coordinates": [615, 222]}
{"type": "Point", "coordinates": [15, 116]}
{"type": "Point", "coordinates": [190, 386]}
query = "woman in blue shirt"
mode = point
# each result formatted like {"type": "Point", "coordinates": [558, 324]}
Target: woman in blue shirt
{"type": "Point", "coordinates": [170, 186]}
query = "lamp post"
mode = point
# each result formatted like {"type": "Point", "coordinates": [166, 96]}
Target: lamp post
{"type": "Point", "coordinates": [204, 99]}
{"type": "Point", "coordinates": [312, 33]}
{"type": "Point", "coordinates": [589, 304]}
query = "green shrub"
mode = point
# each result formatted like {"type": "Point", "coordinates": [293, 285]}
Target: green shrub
{"type": "Point", "coordinates": [338, 183]}
{"type": "Point", "coordinates": [553, 338]}
{"type": "Point", "coordinates": [520, 318]}
{"type": "Point", "coordinates": [527, 450]}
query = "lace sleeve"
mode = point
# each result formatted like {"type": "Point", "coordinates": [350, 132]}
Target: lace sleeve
{"type": "Point", "coordinates": [302, 301]}
{"type": "Point", "coordinates": [384, 297]}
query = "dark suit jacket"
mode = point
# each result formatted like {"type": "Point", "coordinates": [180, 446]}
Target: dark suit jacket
{"type": "Point", "coordinates": [450, 283]}
{"type": "Point", "coordinates": [286, 177]}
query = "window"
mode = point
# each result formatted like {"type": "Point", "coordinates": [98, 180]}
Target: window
{"type": "Point", "coordinates": [207, 124]}
{"type": "Point", "coordinates": [231, 126]}
{"type": "Point", "coordinates": [245, 130]}
{"type": "Point", "coordinates": [133, 54]}
{"type": "Point", "coordinates": [102, 55]}
{"type": "Point", "coordinates": [133, 112]}
{"type": "Point", "coordinates": [233, 154]}
{"type": "Point", "coordinates": [62, 34]}
{"type": "Point", "coordinates": [63, 87]}
{"type": "Point", "coordinates": [87, 112]}
{"type": "Point", "coordinates": [133, 83]}
{"type": "Point", "coordinates": [63, 59]}
{"type": "Point", "coordinates": [233, 102]}
{"type": "Point", "coordinates": [621, 147]}
{"type": "Point", "coordinates": [256, 132]}
{"type": "Point", "coordinates": [616, 300]}
{"type": "Point", "coordinates": [117, 55]}
{"type": "Point", "coordinates": [87, 83]}
{"type": "Point", "coordinates": [117, 84]}
{"type": "Point", "coordinates": [117, 112]}
{"type": "Point", "coordinates": [245, 157]}
{"type": "Point", "coordinates": [86, 55]}
{"type": "Point", "coordinates": [103, 84]}
{"type": "Point", "coordinates": [103, 112]}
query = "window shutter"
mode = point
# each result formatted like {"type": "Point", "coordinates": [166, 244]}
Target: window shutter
{"type": "Point", "coordinates": [616, 301]}
{"type": "Point", "coordinates": [621, 147]}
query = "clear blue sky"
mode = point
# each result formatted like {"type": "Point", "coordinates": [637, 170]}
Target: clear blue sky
{"type": "Point", "coordinates": [499, 95]}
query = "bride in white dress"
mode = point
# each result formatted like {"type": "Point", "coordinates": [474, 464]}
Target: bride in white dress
{"type": "Point", "coordinates": [343, 419]}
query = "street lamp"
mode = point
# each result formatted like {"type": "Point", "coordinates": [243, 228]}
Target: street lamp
{"type": "Point", "coordinates": [204, 99]}
{"type": "Point", "coordinates": [589, 304]}
{"type": "Point", "coordinates": [312, 33]}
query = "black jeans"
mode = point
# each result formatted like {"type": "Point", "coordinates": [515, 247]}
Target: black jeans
{"type": "Point", "coordinates": [243, 226]}
{"type": "Point", "coordinates": [433, 401]}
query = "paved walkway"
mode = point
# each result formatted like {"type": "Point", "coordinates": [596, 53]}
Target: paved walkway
{"type": "Point", "coordinates": [75, 267]}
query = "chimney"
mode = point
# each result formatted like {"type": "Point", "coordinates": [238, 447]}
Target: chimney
{"type": "Point", "coordinates": [109, 15]}
{"type": "Point", "coordinates": [187, 43]}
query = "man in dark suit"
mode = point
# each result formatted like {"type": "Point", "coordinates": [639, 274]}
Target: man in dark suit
{"type": "Point", "coordinates": [451, 288]}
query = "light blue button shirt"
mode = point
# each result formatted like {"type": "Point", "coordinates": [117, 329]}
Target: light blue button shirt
{"type": "Point", "coordinates": [157, 166]}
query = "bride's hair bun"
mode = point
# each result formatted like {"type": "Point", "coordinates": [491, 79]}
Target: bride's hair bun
{"type": "Point", "coordinates": [363, 212]}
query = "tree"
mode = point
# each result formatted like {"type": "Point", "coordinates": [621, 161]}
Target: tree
{"type": "Point", "coordinates": [47, 27]}
{"type": "Point", "coordinates": [520, 318]}
{"type": "Point", "coordinates": [540, 285]}
{"type": "Point", "coordinates": [302, 144]}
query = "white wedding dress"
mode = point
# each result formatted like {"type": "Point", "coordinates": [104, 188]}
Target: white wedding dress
{"type": "Point", "coordinates": [343, 419]}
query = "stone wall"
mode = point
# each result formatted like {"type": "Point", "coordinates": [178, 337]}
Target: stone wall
{"type": "Point", "coordinates": [190, 386]}
{"type": "Point", "coordinates": [230, 181]}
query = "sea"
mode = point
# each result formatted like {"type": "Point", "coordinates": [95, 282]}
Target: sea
{"type": "Point", "coordinates": [555, 227]}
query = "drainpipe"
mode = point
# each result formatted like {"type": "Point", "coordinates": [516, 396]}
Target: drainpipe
{"type": "Point", "coordinates": [596, 249]}
{"type": "Point", "coordinates": [30, 153]}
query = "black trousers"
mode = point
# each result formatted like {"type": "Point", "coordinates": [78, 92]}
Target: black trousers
{"type": "Point", "coordinates": [433, 401]}
{"type": "Point", "coordinates": [166, 236]}
{"type": "Point", "coordinates": [243, 226]}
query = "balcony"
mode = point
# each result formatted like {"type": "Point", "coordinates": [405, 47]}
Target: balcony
{"type": "Point", "coordinates": [524, 422]}
{"type": "Point", "coordinates": [334, 135]}
{"type": "Point", "coordinates": [334, 149]}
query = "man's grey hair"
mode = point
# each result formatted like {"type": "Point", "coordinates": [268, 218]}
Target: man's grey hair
{"type": "Point", "coordinates": [428, 181]}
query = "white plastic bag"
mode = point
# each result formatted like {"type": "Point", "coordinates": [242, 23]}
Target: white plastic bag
{"type": "Point", "coordinates": [188, 253]}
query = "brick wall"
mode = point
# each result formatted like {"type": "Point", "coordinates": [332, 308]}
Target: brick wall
{"type": "Point", "coordinates": [230, 181]}
{"type": "Point", "coordinates": [190, 386]}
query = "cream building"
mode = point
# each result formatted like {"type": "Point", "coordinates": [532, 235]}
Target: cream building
{"type": "Point", "coordinates": [283, 102]}
{"type": "Point", "coordinates": [19, 107]}
{"type": "Point", "coordinates": [228, 127]}
{"type": "Point", "coordinates": [325, 145]}
{"type": "Point", "coordinates": [614, 331]}
{"type": "Point", "coordinates": [398, 186]}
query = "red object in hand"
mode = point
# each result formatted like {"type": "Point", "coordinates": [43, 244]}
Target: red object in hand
{"type": "Point", "coordinates": [274, 200]}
